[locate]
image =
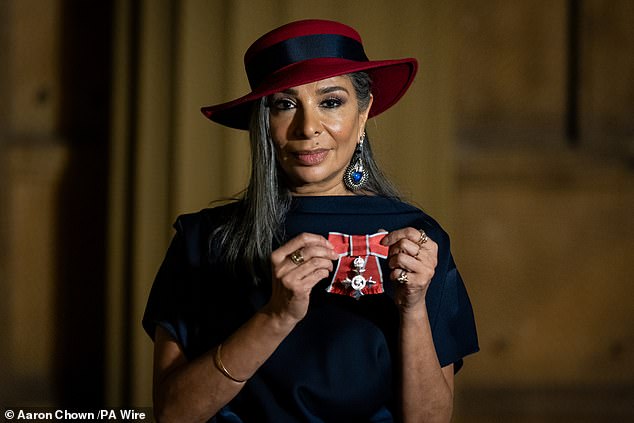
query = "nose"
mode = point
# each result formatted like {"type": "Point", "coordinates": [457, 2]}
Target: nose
{"type": "Point", "coordinates": [307, 125]}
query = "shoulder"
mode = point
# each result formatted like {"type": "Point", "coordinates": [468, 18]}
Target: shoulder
{"type": "Point", "coordinates": [422, 220]}
{"type": "Point", "coordinates": [206, 220]}
{"type": "Point", "coordinates": [194, 231]}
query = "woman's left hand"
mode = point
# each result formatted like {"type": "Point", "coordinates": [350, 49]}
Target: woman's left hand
{"type": "Point", "coordinates": [413, 257]}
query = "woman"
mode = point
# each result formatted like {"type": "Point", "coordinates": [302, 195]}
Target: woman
{"type": "Point", "coordinates": [318, 296]}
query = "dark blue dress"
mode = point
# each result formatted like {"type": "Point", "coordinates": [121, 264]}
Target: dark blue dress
{"type": "Point", "coordinates": [339, 364]}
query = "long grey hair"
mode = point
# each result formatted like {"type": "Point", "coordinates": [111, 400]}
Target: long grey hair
{"type": "Point", "coordinates": [248, 236]}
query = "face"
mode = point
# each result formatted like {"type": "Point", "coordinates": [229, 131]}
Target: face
{"type": "Point", "coordinates": [315, 129]}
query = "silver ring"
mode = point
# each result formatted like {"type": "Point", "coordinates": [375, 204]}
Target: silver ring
{"type": "Point", "coordinates": [297, 257]}
{"type": "Point", "coordinates": [403, 277]}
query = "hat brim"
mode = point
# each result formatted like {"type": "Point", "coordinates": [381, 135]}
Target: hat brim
{"type": "Point", "coordinates": [390, 81]}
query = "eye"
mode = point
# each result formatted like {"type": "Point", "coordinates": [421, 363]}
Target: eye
{"type": "Point", "coordinates": [332, 102]}
{"type": "Point", "coordinates": [283, 104]}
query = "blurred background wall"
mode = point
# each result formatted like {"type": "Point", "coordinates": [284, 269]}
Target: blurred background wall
{"type": "Point", "coordinates": [518, 135]}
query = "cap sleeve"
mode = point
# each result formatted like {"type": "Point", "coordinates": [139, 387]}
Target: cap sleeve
{"type": "Point", "coordinates": [452, 319]}
{"type": "Point", "coordinates": [170, 301]}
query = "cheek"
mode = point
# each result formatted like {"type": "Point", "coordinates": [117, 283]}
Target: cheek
{"type": "Point", "coordinates": [279, 146]}
{"type": "Point", "coordinates": [280, 155]}
{"type": "Point", "coordinates": [278, 135]}
{"type": "Point", "coordinates": [342, 126]}
{"type": "Point", "coordinates": [345, 132]}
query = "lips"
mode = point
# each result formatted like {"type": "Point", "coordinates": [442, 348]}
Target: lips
{"type": "Point", "coordinates": [312, 157]}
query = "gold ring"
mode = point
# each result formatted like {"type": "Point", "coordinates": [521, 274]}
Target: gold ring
{"type": "Point", "coordinates": [423, 238]}
{"type": "Point", "coordinates": [297, 257]}
{"type": "Point", "coordinates": [403, 277]}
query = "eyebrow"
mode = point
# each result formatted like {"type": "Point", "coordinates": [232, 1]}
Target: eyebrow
{"type": "Point", "coordinates": [321, 91]}
{"type": "Point", "coordinates": [331, 89]}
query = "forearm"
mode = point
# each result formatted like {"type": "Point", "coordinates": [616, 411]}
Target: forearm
{"type": "Point", "coordinates": [197, 390]}
{"type": "Point", "coordinates": [426, 394]}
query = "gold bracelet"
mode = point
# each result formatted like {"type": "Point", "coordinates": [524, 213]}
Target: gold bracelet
{"type": "Point", "coordinates": [222, 368]}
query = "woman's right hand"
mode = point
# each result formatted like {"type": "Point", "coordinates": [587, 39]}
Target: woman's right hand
{"type": "Point", "coordinates": [195, 390]}
{"type": "Point", "coordinates": [293, 279]}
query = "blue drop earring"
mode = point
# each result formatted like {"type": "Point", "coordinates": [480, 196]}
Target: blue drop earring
{"type": "Point", "coordinates": [356, 176]}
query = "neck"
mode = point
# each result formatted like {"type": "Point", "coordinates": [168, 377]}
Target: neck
{"type": "Point", "coordinates": [320, 190]}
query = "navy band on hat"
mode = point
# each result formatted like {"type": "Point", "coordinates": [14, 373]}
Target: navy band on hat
{"type": "Point", "coordinates": [306, 51]}
{"type": "Point", "coordinates": [302, 48]}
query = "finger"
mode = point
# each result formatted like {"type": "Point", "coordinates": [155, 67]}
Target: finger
{"type": "Point", "coordinates": [413, 278]}
{"type": "Point", "coordinates": [418, 270]}
{"type": "Point", "coordinates": [406, 246]}
{"type": "Point", "coordinates": [307, 275]}
{"type": "Point", "coordinates": [415, 250]}
{"type": "Point", "coordinates": [288, 267]}
{"type": "Point", "coordinates": [319, 251]}
{"type": "Point", "coordinates": [300, 241]}
{"type": "Point", "coordinates": [310, 267]}
{"type": "Point", "coordinates": [425, 260]}
{"type": "Point", "coordinates": [429, 248]}
{"type": "Point", "coordinates": [307, 254]}
{"type": "Point", "coordinates": [420, 277]}
{"type": "Point", "coordinates": [399, 234]}
{"type": "Point", "coordinates": [406, 262]}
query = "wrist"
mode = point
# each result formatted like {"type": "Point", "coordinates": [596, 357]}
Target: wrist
{"type": "Point", "coordinates": [413, 314]}
{"type": "Point", "coordinates": [281, 323]}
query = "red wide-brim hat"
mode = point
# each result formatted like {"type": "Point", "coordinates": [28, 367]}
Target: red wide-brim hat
{"type": "Point", "coordinates": [308, 51]}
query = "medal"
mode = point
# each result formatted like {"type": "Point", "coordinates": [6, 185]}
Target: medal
{"type": "Point", "coordinates": [358, 282]}
{"type": "Point", "coordinates": [358, 271]}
